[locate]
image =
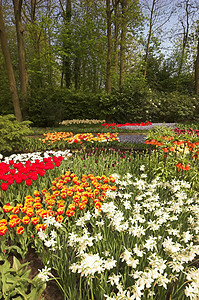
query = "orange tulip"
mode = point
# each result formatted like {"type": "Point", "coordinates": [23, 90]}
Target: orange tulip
{"type": "Point", "coordinates": [112, 179]}
{"type": "Point", "coordinates": [82, 205]}
{"type": "Point", "coordinates": [69, 193]}
{"type": "Point", "coordinates": [25, 220]}
{"type": "Point", "coordinates": [71, 207]}
{"type": "Point", "coordinates": [43, 214]}
{"type": "Point", "coordinates": [36, 193]}
{"type": "Point", "coordinates": [35, 220]}
{"type": "Point", "coordinates": [59, 218]}
{"type": "Point", "coordinates": [3, 222]}
{"type": "Point", "coordinates": [40, 227]}
{"type": "Point", "coordinates": [70, 213]}
{"type": "Point", "coordinates": [7, 208]}
{"type": "Point", "coordinates": [16, 210]}
{"type": "Point", "coordinates": [20, 230]}
{"type": "Point", "coordinates": [12, 223]}
{"type": "Point", "coordinates": [187, 167]}
{"type": "Point", "coordinates": [37, 199]}
{"type": "Point", "coordinates": [15, 218]}
{"type": "Point", "coordinates": [30, 212]}
{"type": "Point", "coordinates": [37, 205]}
{"type": "Point", "coordinates": [3, 230]}
{"type": "Point", "coordinates": [60, 211]}
{"type": "Point", "coordinates": [98, 205]}
{"type": "Point", "coordinates": [50, 213]}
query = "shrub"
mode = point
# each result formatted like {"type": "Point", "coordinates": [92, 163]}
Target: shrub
{"type": "Point", "coordinates": [175, 107]}
{"type": "Point", "coordinates": [135, 102]}
{"type": "Point", "coordinates": [45, 107]}
{"type": "Point", "coordinates": [132, 103]}
{"type": "Point", "coordinates": [48, 107]}
{"type": "Point", "coordinates": [12, 133]}
{"type": "Point", "coordinates": [145, 105]}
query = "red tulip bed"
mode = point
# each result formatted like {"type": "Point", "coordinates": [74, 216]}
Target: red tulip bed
{"type": "Point", "coordinates": [117, 125]}
{"type": "Point", "coordinates": [17, 172]}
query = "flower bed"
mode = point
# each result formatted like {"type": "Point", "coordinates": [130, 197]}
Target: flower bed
{"type": "Point", "coordinates": [190, 131]}
{"type": "Point", "coordinates": [68, 194]}
{"type": "Point", "coordinates": [137, 237]}
{"type": "Point", "coordinates": [69, 138]}
{"type": "Point", "coordinates": [185, 153]}
{"type": "Point", "coordinates": [120, 225]}
{"type": "Point", "coordinates": [33, 166]}
{"type": "Point", "coordinates": [77, 121]}
{"type": "Point", "coordinates": [115, 125]}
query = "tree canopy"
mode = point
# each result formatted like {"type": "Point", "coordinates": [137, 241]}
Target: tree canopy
{"type": "Point", "coordinates": [96, 47]}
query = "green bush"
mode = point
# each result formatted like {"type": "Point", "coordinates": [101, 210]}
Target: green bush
{"type": "Point", "coordinates": [176, 107]}
{"type": "Point", "coordinates": [135, 102]}
{"type": "Point", "coordinates": [48, 107]}
{"type": "Point", "coordinates": [12, 133]}
{"type": "Point", "coordinates": [45, 107]}
{"type": "Point", "coordinates": [130, 105]}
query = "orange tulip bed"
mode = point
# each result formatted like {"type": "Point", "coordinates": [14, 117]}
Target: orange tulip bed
{"type": "Point", "coordinates": [70, 138]}
{"type": "Point", "coordinates": [67, 195]}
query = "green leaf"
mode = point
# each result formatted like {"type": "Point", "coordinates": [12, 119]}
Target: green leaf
{"type": "Point", "coordinates": [16, 264]}
{"type": "Point", "coordinates": [14, 247]}
{"type": "Point", "coordinates": [5, 267]}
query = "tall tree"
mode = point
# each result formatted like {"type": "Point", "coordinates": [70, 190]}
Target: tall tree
{"type": "Point", "coordinates": [67, 14]}
{"type": "Point", "coordinates": [149, 36]}
{"type": "Point", "coordinates": [116, 34]}
{"type": "Point", "coordinates": [9, 67]}
{"type": "Point", "coordinates": [21, 49]}
{"type": "Point", "coordinates": [124, 4]}
{"type": "Point", "coordinates": [109, 47]}
{"type": "Point", "coordinates": [33, 40]}
{"type": "Point", "coordinates": [185, 22]}
{"type": "Point", "coordinates": [196, 65]}
{"type": "Point", "coordinates": [159, 13]}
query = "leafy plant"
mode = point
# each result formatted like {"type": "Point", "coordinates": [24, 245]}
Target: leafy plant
{"type": "Point", "coordinates": [12, 133]}
{"type": "Point", "coordinates": [15, 282]}
{"type": "Point", "coordinates": [158, 131]}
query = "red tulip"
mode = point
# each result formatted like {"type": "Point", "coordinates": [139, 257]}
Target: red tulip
{"type": "Point", "coordinates": [4, 186]}
{"type": "Point", "coordinates": [28, 182]}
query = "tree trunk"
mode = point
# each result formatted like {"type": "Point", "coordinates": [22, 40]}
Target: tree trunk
{"type": "Point", "coordinates": [66, 60]}
{"type": "Point", "coordinates": [9, 68]}
{"type": "Point", "coordinates": [149, 38]}
{"type": "Point", "coordinates": [109, 51]}
{"type": "Point", "coordinates": [185, 37]}
{"type": "Point", "coordinates": [116, 32]}
{"type": "Point", "coordinates": [21, 49]}
{"type": "Point", "coordinates": [48, 42]}
{"type": "Point", "coordinates": [123, 41]}
{"type": "Point", "coordinates": [197, 71]}
{"type": "Point", "coordinates": [76, 72]}
{"type": "Point", "coordinates": [36, 77]}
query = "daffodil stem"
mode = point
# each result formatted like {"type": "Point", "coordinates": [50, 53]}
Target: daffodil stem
{"type": "Point", "coordinates": [91, 283]}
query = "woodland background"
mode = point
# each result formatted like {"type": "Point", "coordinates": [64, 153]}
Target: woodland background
{"type": "Point", "coordinates": [122, 60]}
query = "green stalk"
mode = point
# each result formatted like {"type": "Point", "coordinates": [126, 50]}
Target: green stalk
{"type": "Point", "coordinates": [91, 285]}
{"type": "Point", "coordinates": [60, 286]}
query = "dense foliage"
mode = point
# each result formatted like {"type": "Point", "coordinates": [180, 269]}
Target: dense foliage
{"type": "Point", "coordinates": [132, 103]}
{"type": "Point", "coordinates": [67, 69]}
{"type": "Point", "coordinates": [12, 133]}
